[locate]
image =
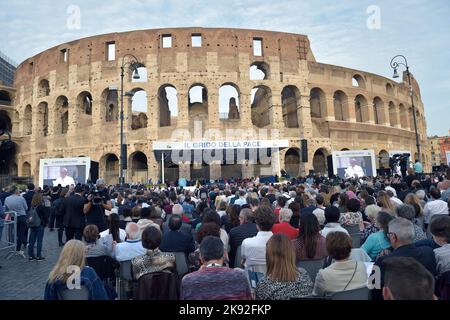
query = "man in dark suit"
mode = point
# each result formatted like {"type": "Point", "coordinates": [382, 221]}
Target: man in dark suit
{"type": "Point", "coordinates": [401, 235]}
{"type": "Point", "coordinates": [175, 240]}
{"type": "Point", "coordinates": [246, 229]}
{"type": "Point", "coordinates": [74, 217]}
{"type": "Point", "coordinates": [29, 194]}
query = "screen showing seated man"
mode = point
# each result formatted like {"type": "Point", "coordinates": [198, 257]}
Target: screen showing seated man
{"type": "Point", "coordinates": [64, 179]}
{"type": "Point", "coordinates": [354, 170]}
{"type": "Point", "coordinates": [354, 167]}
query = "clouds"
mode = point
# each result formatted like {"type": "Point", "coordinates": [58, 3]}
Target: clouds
{"type": "Point", "coordinates": [337, 31]}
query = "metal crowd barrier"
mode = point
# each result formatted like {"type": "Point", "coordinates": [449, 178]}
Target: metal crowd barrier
{"type": "Point", "coordinates": [9, 237]}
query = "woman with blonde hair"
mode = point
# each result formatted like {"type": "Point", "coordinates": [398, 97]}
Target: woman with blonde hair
{"type": "Point", "coordinates": [283, 280]}
{"type": "Point", "coordinates": [414, 200]}
{"type": "Point", "coordinates": [384, 201]}
{"type": "Point", "coordinates": [71, 257]}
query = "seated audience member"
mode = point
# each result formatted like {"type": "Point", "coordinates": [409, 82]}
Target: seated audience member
{"type": "Point", "coordinates": [231, 218]}
{"type": "Point", "coordinates": [254, 204]}
{"type": "Point", "coordinates": [407, 279]}
{"type": "Point", "coordinates": [155, 216]}
{"type": "Point", "coordinates": [435, 206]}
{"type": "Point", "coordinates": [116, 234]}
{"type": "Point", "coordinates": [207, 229]}
{"type": "Point", "coordinates": [310, 244]}
{"type": "Point", "coordinates": [319, 212]}
{"type": "Point", "coordinates": [379, 240]}
{"type": "Point", "coordinates": [127, 213]}
{"type": "Point", "coordinates": [96, 247]}
{"type": "Point", "coordinates": [413, 200]}
{"type": "Point", "coordinates": [295, 207]}
{"type": "Point", "coordinates": [407, 211]}
{"type": "Point", "coordinates": [253, 250]}
{"type": "Point", "coordinates": [345, 273]}
{"type": "Point", "coordinates": [132, 246]}
{"type": "Point", "coordinates": [370, 226]}
{"type": "Point", "coordinates": [283, 280]}
{"type": "Point", "coordinates": [222, 208]}
{"type": "Point", "coordinates": [153, 260]}
{"type": "Point", "coordinates": [209, 215]}
{"type": "Point", "coordinates": [401, 235]}
{"type": "Point", "coordinates": [284, 225]}
{"type": "Point", "coordinates": [246, 229]}
{"type": "Point", "coordinates": [384, 201]}
{"type": "Point", "coordinates": [178, 210]}
{"type": "Point", "coordinates": [332, 216]}
{"type": "Point", "coordinates": [214, 281]}
{"type": "Point", "coordinates": [352, 216]}
{"type": "Point", "coordinates": [73, 254]}
{"type": "Point", "coordinates": [175, 240]}
{"type": "Point", "coordinates": [145, 221]}
{"type": "Point", "coordinates": [440, 229]}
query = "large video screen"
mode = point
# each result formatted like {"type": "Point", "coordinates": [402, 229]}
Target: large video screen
{"type": "Point", "coordinates": [64, 171]}
{"type": "Point", "coordinates": [354, 163]}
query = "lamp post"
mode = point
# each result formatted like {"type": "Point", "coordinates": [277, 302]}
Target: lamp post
{"type": "Point", "coordinates": [133, 65]}
{"type": "Point", "coordinates": [395, 65]}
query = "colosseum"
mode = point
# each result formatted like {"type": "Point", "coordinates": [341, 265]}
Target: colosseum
{"type": "Point", "coordinates": [66, 103]}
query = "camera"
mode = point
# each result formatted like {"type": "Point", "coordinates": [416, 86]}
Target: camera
{"type": "Point", "coordinates": [97, 199]}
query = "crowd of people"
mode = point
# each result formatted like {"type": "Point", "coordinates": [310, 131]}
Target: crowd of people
{"type": "Point", "coordinates": [229, 232]}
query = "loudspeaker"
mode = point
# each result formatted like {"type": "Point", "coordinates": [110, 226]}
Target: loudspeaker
{"type": "Point", "coordinates": [304, 150]}
{"type": "Point", "coordinates": [124, 156]}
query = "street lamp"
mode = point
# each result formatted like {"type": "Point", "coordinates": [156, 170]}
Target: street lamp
{"type": "Point", "coordinates": [133, 65]}
{"type": "Point", "coordinates": [395, 65]}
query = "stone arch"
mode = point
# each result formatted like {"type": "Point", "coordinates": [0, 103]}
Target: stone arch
{"type": "Point", "coordinates": [261, 105]}
{"type": "Point", "coordinates": [61, 115]}
{"type": "Point", "coordinates": [290, 96]}
{"type": "Point", "coordinates": [168, 104]}
{"type": "Point", "coordinates": [317, 103]}
{"type": "Point", "coordinates": [361, 112]}
{"type": "Point", "coordinates": [378, 114]}
{"type": "Point", "coordinates": [27, 121]}
{"type": "Point", "coordinates": [392, 114]}
{"type": "Point", "coordinates": [109, 164]}
{"type": "Point", "coordinates": [5, 98]}
{"type": "Point", "coordinates": [139, 167]}
{"type": "Point", "coordinates": [198, 102]}
{"type": "Point", "coordinates": [110, 101]}
{"type": "Point", "coordinates": [8, 155]}
{"type": "Point", "coordinates": [358, 81]}
{"type": "Point", "coordinates": [340, 103]}
{"type": "Point", "coordinates": [43, 88]}
{"type": "Point", "coordinates": [345, 149]}
{"type": "Point", "coordinates": [5, 122]}
{"type": "Point", "coordinates": [383, 159]}
{"type": "Point", "coordinates": [259, 70]}
{"type": "Point", "coordinates": [292, 162]}
{"type": "Point", "coordinates": [389, 89]}
{"type": "Point", "coordinates": [229, 101]}
{"type": "Point", "coordinates": [26, 169]}
{"type": "Point", "coordinates": [139, 109]}
{"type": "Point", "coordinates": [84, 109]}
{"type": "Point", "coordinates": [42, 117]}
{"type": "Point", "coordinates": [320, 161]}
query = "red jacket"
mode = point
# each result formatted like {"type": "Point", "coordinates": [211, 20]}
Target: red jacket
{"type": "Point", "coordinates": [285, 228]}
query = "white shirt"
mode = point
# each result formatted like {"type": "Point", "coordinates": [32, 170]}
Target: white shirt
{"type": "Point", "coordinates": [253, 249]}
{"type": "Point", "coordinates": [122, 234]}
{"type": "Point", "coordinates": [392, 189]}
{"type": "Point", "coordinates": [434, 207]}
{"type": "Point", "coordinates": [320, 215]}
{"type": "Point", "coordinates": [128, 250]}
{"type": "Point", "coordinates": [66, 181]}
{"type": "Point", "coordinates": [241, 201]}
{"type": "Point", "coordinates": [396, 201]}
{"type": "Point", "coordinates": [332, 227]}
{"type": "Point", "coordinates": [351, 171]}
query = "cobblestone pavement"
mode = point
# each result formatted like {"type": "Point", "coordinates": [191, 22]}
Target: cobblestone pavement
{"type": "Point", "coordinates": [24, 280]}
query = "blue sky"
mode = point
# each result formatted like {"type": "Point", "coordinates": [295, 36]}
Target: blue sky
{"type": "Point", "coordinates": [338, 32]}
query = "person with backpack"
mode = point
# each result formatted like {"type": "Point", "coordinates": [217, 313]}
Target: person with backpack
{"type": "Point", "coordinates": [36, 222]}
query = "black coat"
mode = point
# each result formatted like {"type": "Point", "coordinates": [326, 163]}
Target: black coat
{"type": "Point", "coordinates": [177, 241]}
{"type": "Point", "coordinates": [73, 212]}
{"type": "Point", "coordinates": [239, 234]}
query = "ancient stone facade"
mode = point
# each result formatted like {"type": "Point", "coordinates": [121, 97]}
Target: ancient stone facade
{"type": "Point", "coordinates": [67, 101]}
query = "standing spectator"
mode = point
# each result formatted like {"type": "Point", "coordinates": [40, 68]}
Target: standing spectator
{"type": "Point", "coordinates": [435, 206]}
{"type": "Point", "coordinates": [345, 273]}
{"type": "Point", "coordinates": [237, 235]}
{"type": "Point", "coordinates": [310, 244]}
{"type": "Point", "coordinates": [407, 279]}
{"type": "Point", "coordinates": [332, 216]}
{"type": "Point", "coordinates": [28, 195]}
{"type": "Point", "coordinates": [74, 218]}
{"type": "Point", "coordinates": [18, 204]}
{"type": "Point", "coordinates": [253, 250]}
{"type": "Point", "coordinates": [57, 208]}
{"type": "Point", "coordinates": [283, 280]}
{"type": "Point", "coordinates": [284, 227]}
{"type": "Point", "coordinates": [214, 281]}
{"type": "Point", "coordinates": [378, 241]}
{"type": "Point", "coordinates": [418, 169]}
{"type": "Point", "coordinates": [175, 240]}
{"type": "Point", "coordinates": [37, 233]}
{"type": "Point", "coordinates": [73, 254]}
{"type": "Point", "coordinates": [97, 203]}
{"type": "Point", "coordinates": [440, 229]}
{"type": "Point", "coordinates": [153, 260]}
